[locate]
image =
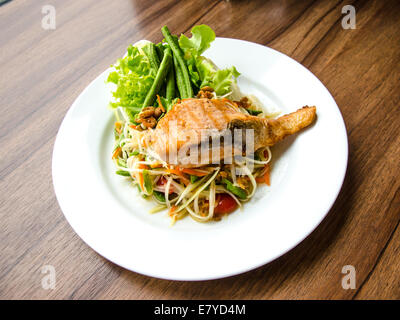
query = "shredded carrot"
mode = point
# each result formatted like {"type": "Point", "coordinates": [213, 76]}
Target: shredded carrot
{"type": "Point", "coordinates": [141, 181]}
{"type": "Point", "coordinates": [265, 178]}
{"type": "Point", "coordinates": [116, 153]}
{"type": "Point", "coordinates": [194, 172]}
{"type": "Point", "coordinates": [185, 180]}
{"type": "Point", "coordinates": [133, 126]}
{"type": "Point", "coordinates": [175, 171]}
{"type": "Point", "coordinates": [172, 210]}
{"type": "Point", "coordinates": [180, 174]}
{"type": "Point", "coordinates": [140, 175]}
{"type": "Point", "coordinates": [160, 104]}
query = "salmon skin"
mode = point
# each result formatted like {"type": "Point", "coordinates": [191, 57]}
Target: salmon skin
{"type": "Point", "coordinates": [194, 122]}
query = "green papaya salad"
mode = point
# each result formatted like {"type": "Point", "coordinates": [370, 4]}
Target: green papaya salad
{"type": "Point", "coordinates": [148, 81]}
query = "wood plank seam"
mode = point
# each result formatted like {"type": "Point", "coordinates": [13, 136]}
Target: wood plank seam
{"type": "Point", "coordinates": [293, 22]}
{"type": "Point", "coordinates": [198, 19]}
{"type": "Point", "coordinates": [381, 252]}
{"type": "Point", "coordinates": [316, 23]}
{"type": "Point", "coordinates": [27, 251]}
{"type": "Point", "coordinates": [84, 282]}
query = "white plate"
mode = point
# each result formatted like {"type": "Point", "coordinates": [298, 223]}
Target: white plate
{"type": "Point", "coordinates": [107, 213]}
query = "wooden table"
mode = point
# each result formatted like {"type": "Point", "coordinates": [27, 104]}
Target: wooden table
{"type": "Point", "coordinates": [43, 71]}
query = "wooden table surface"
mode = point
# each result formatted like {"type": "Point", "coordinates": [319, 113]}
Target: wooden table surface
{"type": "Point", "coordinates": [43, 71]}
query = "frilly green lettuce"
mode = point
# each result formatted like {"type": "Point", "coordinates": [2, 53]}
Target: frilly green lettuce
{"type": "Point", "coordinates": [201, 70]}
{"type": "Point", "coordinates": [133, 78]}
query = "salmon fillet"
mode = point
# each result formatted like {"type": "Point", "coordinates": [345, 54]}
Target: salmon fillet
{"type": "Point", "coordinates": [192, 122]}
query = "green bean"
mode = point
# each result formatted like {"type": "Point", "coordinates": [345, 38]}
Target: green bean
{"type": "Point", "coordinates": [180, 83]}
{"type": "Point", "coordinates": [179, 79]}
{"type": "Point", "coordinates": [134, 153]}
{"type": "Point", "coordinates": [160, 78]}
{"type": "Point", "coordinates": [147, 182]}
{"type": "Point", "coordinates": [160, 51]}
{"type": "Point", "coordinates": [123, 173]}
{"type": "Point", "coordinates": [193, 178]}
{"type": "Point", "coordinates": [170, 89]}
{"type": "Point", "coordinates": [188, 92]}
{"type": "Point", "coordinates": [254, 112]}
{"type": "Point", "coordinates": [162, 90]}
{"type": "Point", "coordinates": [151, 53]}
{"type": "Point", "coordinates": [241, 193]}
{"type": "Point", "coordinates": [140, 191]}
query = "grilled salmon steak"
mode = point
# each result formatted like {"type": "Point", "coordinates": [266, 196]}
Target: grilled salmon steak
{"type": "Point", "coordinates": [194, 122]}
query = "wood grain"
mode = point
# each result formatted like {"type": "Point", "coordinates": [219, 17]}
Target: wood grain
{"type": "Point", "coordinates": [44, 71]}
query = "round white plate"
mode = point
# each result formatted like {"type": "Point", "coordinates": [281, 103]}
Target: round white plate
{"type": "Point", "coordinates": [108, 214]}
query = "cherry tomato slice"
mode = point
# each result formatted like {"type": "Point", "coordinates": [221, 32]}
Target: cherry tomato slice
{"type": "Point", "coordinates": [163, 181]}
{"type": "Point", "coordinates": [225, 204]}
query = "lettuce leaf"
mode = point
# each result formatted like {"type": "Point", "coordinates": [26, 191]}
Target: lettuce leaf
{"type": "Point", "coordinates": [220, 80]}
{"type": "Point", "coordinates": [133, 78]}
{"type": "Point", "coordinates": [202, 71]}
{"type": "Point", "coordinates": [202, 36]}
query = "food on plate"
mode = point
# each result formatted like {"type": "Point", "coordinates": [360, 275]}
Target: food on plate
{"type": "Point", "coordinates": [192, 117]}
{"type": "Point", "coordinates": [185, 134]}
